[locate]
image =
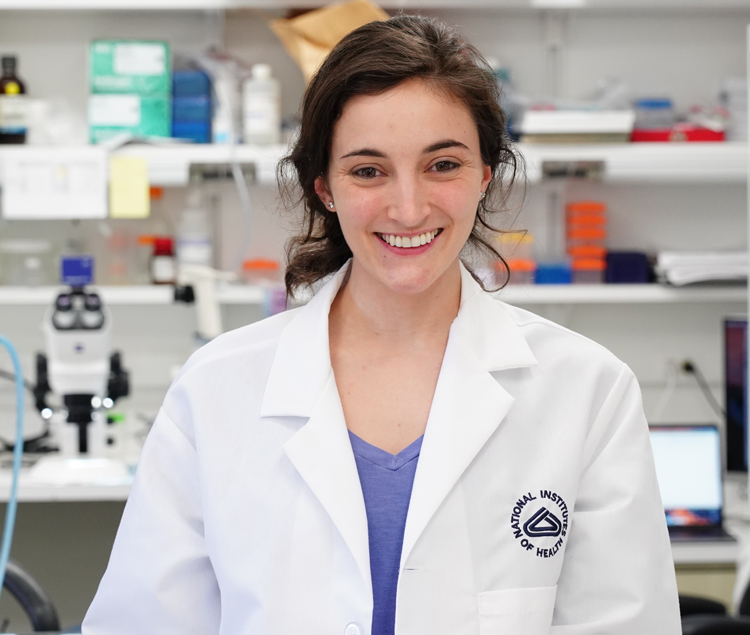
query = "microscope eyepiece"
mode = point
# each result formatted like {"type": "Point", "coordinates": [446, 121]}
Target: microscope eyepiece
{"type": "Point", "coordinates": [63, 302]}
{"type": "Point", "coordinates": [92, 302]}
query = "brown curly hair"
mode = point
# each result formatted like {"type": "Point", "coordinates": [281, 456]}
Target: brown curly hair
{"type": "Point", "coordinates": [371, 60]}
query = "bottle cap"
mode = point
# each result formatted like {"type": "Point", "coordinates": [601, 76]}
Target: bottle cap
{"type": "Point", "coordinates": [519, 265]}
{"type": "Point", "coordinates": [163, 246]}
{"type": "Point", "coordinates": [589, 264]}
{"type": "Point", "coordinates": [261, 71]}
{"type": "Point", "coordinates": [588, 251]}
{"type": "Point", "coordinates": [586, 207]}
{"type": "Point", "coordinates": [260, 264]}
{"type": "Point", "coordinates": [9, 63]}
{"type": "Point", "coordinates": [584, 233]}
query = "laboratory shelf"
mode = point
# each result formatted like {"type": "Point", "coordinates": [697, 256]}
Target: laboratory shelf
{"type": "Point", "coordinates": [688, 553]}
{"type": "Point", "coordinates": [638, 162]}
{"type": "Point", "coordinates": [128, 295]}
{"type": "Point", "coordinates": [512, 294]}
{"type": "Point", "coordinates": [169, 165]}
{"type": "Point", "coordinates": [646, 162]}
{"type": "Point", "coordinates": [619, 294]}
{"type": "Point", "coordinates": [32, 492]}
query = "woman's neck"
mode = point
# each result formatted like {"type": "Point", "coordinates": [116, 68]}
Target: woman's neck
{"type": "Point", "coordinates": [365, 307]}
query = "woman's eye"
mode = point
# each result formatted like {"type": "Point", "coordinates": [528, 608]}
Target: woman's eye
{"type": "Point", "coordinates": [444, 166]}
{"type": "Point", "coordinates": [366, 173]}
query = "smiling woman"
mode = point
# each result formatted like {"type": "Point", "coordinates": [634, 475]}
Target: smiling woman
{"type": "Point", "coordinates": [377, 61]}
{"type": "Point", "coordinates": [404, 454]}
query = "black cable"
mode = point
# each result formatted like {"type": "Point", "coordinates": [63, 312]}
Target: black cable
{"type": "Point", "coordinates": [32, 444]}
{"type": "Point", "coordinates": [691, 367]}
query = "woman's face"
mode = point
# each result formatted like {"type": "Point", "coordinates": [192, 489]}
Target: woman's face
{"type": "Point", "coordinates": [405, 179]}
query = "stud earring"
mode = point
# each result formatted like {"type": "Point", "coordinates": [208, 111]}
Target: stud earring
{"type": "Point", "coordinates": [481, 195]}
{"type": "Point", "coordinates": [330, 205]}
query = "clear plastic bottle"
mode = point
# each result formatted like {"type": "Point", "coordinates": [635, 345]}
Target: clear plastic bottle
{"type": "Point", "coordinates": [194, 240]}
{"type": "Point", "coordinates": [226, 108]}
{"type": "Point", "coordinates": [261, 107]}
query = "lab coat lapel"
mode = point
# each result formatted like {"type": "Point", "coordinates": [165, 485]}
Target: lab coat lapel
{"type": "Point", "coordinates": [322, 453]}
{"type": "Point", "coordinates": [469, 402]}
{"type": "Point", "coordinates": [301, 384]}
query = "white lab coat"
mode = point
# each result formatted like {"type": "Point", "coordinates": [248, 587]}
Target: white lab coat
{"type": "Point", "coordinates": [535, 507]}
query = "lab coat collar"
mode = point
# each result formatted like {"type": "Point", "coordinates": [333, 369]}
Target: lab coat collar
{"type": "Point", "coordinates": [467, 408]}
{"type": "Point", "coordinates": [302, 364]}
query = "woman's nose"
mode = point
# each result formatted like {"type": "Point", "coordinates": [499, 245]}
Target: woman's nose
{"type": "Point", "coordinates": [409, 204]}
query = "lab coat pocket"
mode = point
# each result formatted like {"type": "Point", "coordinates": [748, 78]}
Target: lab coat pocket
{"type": "Point", "coordinates": [513, 611]}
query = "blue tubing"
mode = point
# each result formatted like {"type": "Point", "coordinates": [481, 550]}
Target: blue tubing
{"type": "Point", "coordinates": [10, 512]}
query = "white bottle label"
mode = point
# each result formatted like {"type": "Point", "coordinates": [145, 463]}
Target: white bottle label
{"type": "Point", "coordinates": [195, 251]}
{"type": "Point", "coordinates": [163, 269]}
{"type": "Point", "coordinates": [261, 116]}
{"type": "Point", "coordinates": [13, 114]}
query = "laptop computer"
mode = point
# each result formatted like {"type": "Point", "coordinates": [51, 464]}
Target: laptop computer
{"type": "Point", "coordinates": [688, 467]}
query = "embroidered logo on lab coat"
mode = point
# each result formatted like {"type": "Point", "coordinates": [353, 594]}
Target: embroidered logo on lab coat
{"type": "Point", "coordinates": [539, 521]}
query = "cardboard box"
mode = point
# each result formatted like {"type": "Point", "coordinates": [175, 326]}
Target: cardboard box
{"type": "Point", "coordinates": [138, 67]}
{"type": "Point", "coordinates": [112, 115]}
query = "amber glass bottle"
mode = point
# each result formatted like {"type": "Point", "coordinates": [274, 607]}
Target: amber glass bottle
{"type": "Point", "coordinates": [13, 116]}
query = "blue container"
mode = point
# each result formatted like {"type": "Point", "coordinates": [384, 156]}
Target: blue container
{"type": "Point", "coordinates": [628, 267]}
{"type": "Point", "coordinates": [185, 109]}
{"type": "Point", "coordinates": [654, 114]}
{"type": "Point", "coordinates": [191, 106]}
{"type": "Point", "coordinates": [553, 273]}
{"type": "Point", "coordinates": [199, 132]}
{"type": "Point", "coordinates": [190, 84]}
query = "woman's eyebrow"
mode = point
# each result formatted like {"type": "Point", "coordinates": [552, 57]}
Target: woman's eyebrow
{"type": "Point", "coordinates": [441, 145]}
{"type": "Point", "coordinates": [365, 152]}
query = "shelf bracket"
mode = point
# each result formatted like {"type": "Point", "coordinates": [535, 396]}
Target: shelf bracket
{"type": "Point", "coordinates": [573, 170]}
{"type": "Point", "coordinates": [220, 172]}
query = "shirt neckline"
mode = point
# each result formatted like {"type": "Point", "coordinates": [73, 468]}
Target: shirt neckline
{"type": "Point", "coordinates": [382, 458]}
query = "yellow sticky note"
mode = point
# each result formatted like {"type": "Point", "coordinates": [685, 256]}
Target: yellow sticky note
{"type": "Point", "coordinates": [129, 194]}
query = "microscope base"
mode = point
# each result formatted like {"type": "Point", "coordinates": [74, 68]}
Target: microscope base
{"type": "Point", "coordinates": [59, 470]}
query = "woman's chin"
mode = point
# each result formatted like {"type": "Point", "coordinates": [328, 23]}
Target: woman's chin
{"type": "Point", "coordinates": [408, 281]}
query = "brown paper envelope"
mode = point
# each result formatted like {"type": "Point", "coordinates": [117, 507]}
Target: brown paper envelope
{"type": "Point", "coordinates": [310, 37]}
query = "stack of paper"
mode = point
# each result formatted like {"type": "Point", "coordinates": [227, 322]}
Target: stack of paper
{"type": "Point", "coordinates": [577, 126]}
{"type": "Point", "coordinates": [686, 267]}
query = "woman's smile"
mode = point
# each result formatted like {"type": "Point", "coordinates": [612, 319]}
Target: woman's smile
{"type": "Point", "coordinates": [409, 244]}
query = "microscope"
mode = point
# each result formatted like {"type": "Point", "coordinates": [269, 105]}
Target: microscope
{"type": "Point", "coordinates": [79, 366]}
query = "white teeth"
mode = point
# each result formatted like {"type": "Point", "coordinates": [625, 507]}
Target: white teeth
{"type": "Point", "coordinates": [406, 241]}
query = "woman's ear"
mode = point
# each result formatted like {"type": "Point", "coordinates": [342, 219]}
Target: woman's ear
{"type": "Point", "coordinates": [486, 177]}
{"type": "Point", "coordinates": [324, 194]}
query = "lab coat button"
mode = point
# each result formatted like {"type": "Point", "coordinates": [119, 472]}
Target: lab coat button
{"type": "Point", "coordinates": [353, 629]}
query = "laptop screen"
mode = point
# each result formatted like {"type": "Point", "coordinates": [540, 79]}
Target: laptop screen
{"type": "Point", "coordinates": [688, 467]}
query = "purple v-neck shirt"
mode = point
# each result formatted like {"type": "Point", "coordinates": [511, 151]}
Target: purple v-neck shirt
{"type": "Point", "coordinates": [386, 481]}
